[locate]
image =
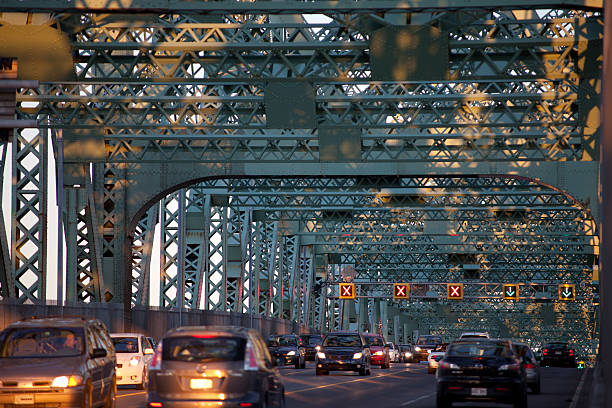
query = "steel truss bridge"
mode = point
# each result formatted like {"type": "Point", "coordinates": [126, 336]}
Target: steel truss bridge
{"type": "Point", "coordinates": [281, 147]}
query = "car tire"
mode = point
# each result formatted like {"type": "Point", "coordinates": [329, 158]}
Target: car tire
{"type": "Point", "coordinates": [536, 388]}
{"type": "Point", "coordinates": [143, 380]}
{"type": "Point", "coordinates": [298, 364]}
{"type": "Point", "coordinates": [111, 396]}
{"type": "Point", "coordinates": [87, 401]}
{"type": "Point", "coordinates": [442, 402]}
{"type": "Point", "coordinates": [430, 371]}
{"type": "Point", "coordinates": [521, 401]}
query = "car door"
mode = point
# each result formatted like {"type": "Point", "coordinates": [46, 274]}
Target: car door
{"type": "Point", "coordinates": [95, 366]}
{"type": "Point", "coordinates": [275, 385]}
{"type": "Point", "coordinates": [109, 362]}
{"type": "Point", "coordinates": [145, 345]}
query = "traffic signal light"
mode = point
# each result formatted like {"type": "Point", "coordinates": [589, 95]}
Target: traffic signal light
{"type": "Point", "coordinates": [511, 291]}
{"type": "Point", "coordinates": [346, 290]}
{"type": "Point", "coordinates": [567, 292]}
{"type": "Point", "coordinates": [401, 291]}
{"type": "Point", "coordinates": [454, 291]}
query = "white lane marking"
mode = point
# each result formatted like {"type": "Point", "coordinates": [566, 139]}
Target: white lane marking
{"type": "Point", "coordinates": [422, 397]}
{"type": "Point", "coordinates": [340, 383]}
{"type": "Point", "coordinates": [576, 396]}
{"type": "Point", "coordinates": [132, 394]}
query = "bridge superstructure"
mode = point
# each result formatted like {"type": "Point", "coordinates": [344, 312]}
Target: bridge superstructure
{"type": "Point", "coordinates": [279, 144]}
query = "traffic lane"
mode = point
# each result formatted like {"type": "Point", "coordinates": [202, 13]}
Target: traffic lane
{"type": "Point", "coordinates": [128, 397]}
{"type": "Point", "coordinates": [384, 388]}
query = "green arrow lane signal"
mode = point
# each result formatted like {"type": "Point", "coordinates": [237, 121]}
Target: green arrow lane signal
{"type": "Point", "coordinates": [511, 291]}
{"type": "Point", "coordinates": [567, 292]}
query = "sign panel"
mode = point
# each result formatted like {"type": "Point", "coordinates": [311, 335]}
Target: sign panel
{"type": "Point", "coordinates": [401, 291]}
{"type": "Point", "coordinates": [346, 290]}
{"type": "Point", "coordinates": [454, 291]}
{"type": "Point", "coordinates": [511, 291]}
{"type": "Point", "coordinates": [567, 292]}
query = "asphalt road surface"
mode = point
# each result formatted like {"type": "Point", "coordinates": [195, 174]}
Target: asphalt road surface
{"type": "Point", "coordinates": [403, 385]}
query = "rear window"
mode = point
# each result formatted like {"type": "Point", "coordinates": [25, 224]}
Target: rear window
{"type": "Point", "coordinates": [312, 340]}
{"type": "Point", "coordinates": [203, 349]}
{"type": "Point", "coordinates": [374, 341]}
{"type": "Point", "coordinates": [42, 342]}
{"type": "Point", "coordinates": [478, 350]}
{"type": "Point", "coordinates": [342, 341]}
{"type": "Point", "coordinates": [557, 346]}
{"type": "Point", "coordinates": [429, 340]}
{"type": "Point", "coordinates": [125, 344]}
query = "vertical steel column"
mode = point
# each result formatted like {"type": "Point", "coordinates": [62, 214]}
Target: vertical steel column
{"type": "Point", "coordinates": [29, 221]}
{"type": "Point", "coordinates": [274, 274]}
{"type": "Point", "coordinates": [7, 289]}
{"type": "Point", "coordinates": [216, 242]}
{"type": "Point", "coordinates": [180, 270]}
{"type": "Point", "coordinates": [294, 278]}
{"type": "Point", "coordinates": [70, 218]}
{"type": "Point", "coordinates": [169, 252]}
{"type": "Point", "coordinates": [142, 250]}
{"type": "Point", "coordinates": [307, 274]}
{"type": "Point", "coordinates": [246, 286]}
{"type": "Point", "coordinates": [93, 249]}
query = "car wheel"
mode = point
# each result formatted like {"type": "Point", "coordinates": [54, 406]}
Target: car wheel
{"type": "Point", "coordinates": [111, 396]}
{"type": "Point", "coordinates": [521, 401]}
{"type": "Point", "coordinates": [298, 364]}
{"type": "Point", "coordinates": [143, 380]}
{"type": "Point", "coordinates": [442, 402]}
{"type": "Point", "coordinates": [87, 396]}
{"type": "Point", "coordinates": [363, 371]}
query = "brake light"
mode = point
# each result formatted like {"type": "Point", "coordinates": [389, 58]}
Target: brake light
{"type": "Point", "coordinates": [510, 367]}
{"type": "Point", "coordinates": [529, 365]}
{"type": "Point", "coordinates": [155, 404]}
{"type": "Point", "coordinates": [571, 352]}
{"type": "Point", "coordinates": [545, 351]}
{"type": "Point", "coordinates": [204, 336]}
{"type": "Point", "coordinates": [250, 359]}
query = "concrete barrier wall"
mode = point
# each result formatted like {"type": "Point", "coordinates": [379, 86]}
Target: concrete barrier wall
{"type": "Point", "coordinates": [151, 321]}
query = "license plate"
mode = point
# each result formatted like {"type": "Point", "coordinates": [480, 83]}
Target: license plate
{"type": "Point", "coordinates": [557, 353]}
{"type": "Point", "coordinates": [479, 392]}
{"type": "Point", "coordinates": [200, 383]}
{"type": "Point", "coordinates": [24, 399]}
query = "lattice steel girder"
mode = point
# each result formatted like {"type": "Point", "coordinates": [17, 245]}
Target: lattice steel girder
{"type": "Point", "coordinates": [286, 7]}
{"type": "Point", "coordinates": [142, 249]}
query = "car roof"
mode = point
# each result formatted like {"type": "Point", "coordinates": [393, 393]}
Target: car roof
{"type": "Point", "coordinates": [126, 334]}
{"type": "Point", "coordinates": [347, 333]}
{"type": "Point", "coordinates": [188, 330]}
{"type": "Point", "coordinates": [474, 334]}
{"type": "Point", "coordinates": [54, 322]}
{"type": "Point", "coordinates": [481, 340]}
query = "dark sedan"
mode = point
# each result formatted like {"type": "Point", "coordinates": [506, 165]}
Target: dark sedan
{"type": "Point", "coordinates": [344, 351]}
{"type": "Point", "coordinates": [532, 369]}
{"type": "Point", "coordinates": [424, 345]}
{"type": "Point", "coordinates": [199, 366]}
{"type": "Point", "coordinates": [311, 344]}
{"type": "Point", "coordinates": [287, 349]}
{"type": "Point", "coordinates": [558, 353]}
{"type": "Point", "coordinates": [481, 370]}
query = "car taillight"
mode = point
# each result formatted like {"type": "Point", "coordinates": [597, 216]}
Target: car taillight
{"type": "Point", "coordinates": [545, 351]}
{"type": "Point", "coordinates": [250, 359]}
{"type": "Point", "coordinates": [510, 367]}
{"type": "Point", "coordinates": [529, 365]}
{"type": "Point", "coordinates": [571, 352]}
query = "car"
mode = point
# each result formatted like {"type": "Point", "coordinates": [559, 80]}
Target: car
{"type": "Point", "coordinates": [393, 352]}
{"type": "Point", "coordinates": [474, 335]}
{"type": "Point", "coordinates": [343, 351]}
{"type": "Point", "coordinates": [223, 366]}
{"type": "Point", "coordinates": [559, 354]}
{"type": "Point", "coordinates": [405, 351]}
{"type": "Point", "coordinates": [482, 370]}
{"type": "Point", "coordinates": [311, 342]}
{"type": "Point", "coordinates": [379, 351]}
{"type": "Point", "coordinates": [532, 368]}
{"type": "Point", "coordinates": [287, 349]}
{"type": "Point", "coordinates": [57, 362]}
{"type": "Point", "coordinates": [434, 357]}
{"type": "Point", "coordinates": [424, 345]}
{"type": "Point", "coordinates": [134, 353]}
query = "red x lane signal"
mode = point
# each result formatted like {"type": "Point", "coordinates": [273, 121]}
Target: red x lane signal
{"type": "Point", "coordinates": [401, 291]}
{"type": "Point", "coordinates": [347, 290]}
{"type": "Point", "coordinates": [454, 291]}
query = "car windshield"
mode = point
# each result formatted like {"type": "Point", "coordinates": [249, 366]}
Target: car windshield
{"type": "Point", "coordinates": [314, 341]}
{"type": "Point", "coordinates": [126, 344]}
{"type": "Point", "coordinates": [478, 350]}
{"type": "Point", "coordinates": [281, 341]}
{"type": "Point", "coordinates": [405, 348]}
{"type": "Point", "coordinates": [42, 342]}
{"type": "Point", "coordinates": [374, 341]}
{"type": "Point", "coordinates": [201, 349]}
{"type": "Point", "coordinates": [429, 340]}
{"type": "Point", "coordinates": [342, 341]}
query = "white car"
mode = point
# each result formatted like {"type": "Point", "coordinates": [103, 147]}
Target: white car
{"type": "Point", "coordinates": [434, 357]}
{"type": "Point", "coordinates": [393, 353]}
{"type": "Point", "coordinates": [134, 353]}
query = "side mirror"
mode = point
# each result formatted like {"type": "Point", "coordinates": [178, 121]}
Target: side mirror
{"type": "Point", "coordinates": [148, 351]}
{"type": "Point", "coordinates": [98, 353]}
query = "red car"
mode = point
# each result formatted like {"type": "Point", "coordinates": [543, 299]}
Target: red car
{"type": "Point", "coordinates": [379, 353]}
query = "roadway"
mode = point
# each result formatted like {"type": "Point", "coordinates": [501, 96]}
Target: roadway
{"type": "Point", "coordinates": [404, 385]}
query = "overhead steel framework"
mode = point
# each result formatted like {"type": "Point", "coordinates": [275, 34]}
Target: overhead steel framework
{"type": "Point", "coordinates": [283, 146]}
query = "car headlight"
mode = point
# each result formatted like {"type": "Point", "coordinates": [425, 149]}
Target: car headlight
{"type": "Point", "coordinates": [291, 353]}
{"type": "Point", "coordinates": [321, 355]}
{"type": "Point", "coordinates": [378, 353]}
{"type": "Point", "coordinates": [357, 356]}
{"type": "Point", "coordinates": [134, 361]}
{"type": "Point", "coordinates": [67, 381]}
{"type": "Point", "coordinates": [317, 347]}
{"type": "Point", "coordinates": [417, 348]}
{"type": "Point", "coordinates": [408, 354]}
